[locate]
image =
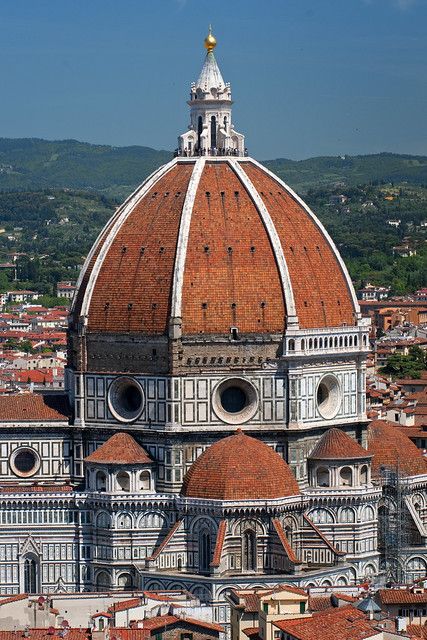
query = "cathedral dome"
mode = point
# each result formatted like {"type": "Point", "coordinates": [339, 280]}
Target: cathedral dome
{"type": "Point", "coordinates": [239, 468]}
{"type": "Point", "coordinates": [335, 444]}
{"type": "Point", "coordinates": [208, 244]}
{"type": "Point", "coordinates": [393, 450]}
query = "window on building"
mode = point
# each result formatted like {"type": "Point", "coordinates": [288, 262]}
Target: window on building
{"type": "Point", "coordinates": [145, 481]}
{"type": "Point", "coordinates": [204, 550]}
{"type": "Point", "coordinates": [346, 477]}
{"type": "Point", "coordinates": [213, 132]}
{"type": "Point", "coordinates": [101, 481]}
{"type": "Point", "coordinates": [123, 481]}
{"type": "Point", "coordinates": [199, 131]}
{"type": "Point", "coordinates": [31, 574]}
{"type": "Point", "coordinates": [323, 479]}
{"type": "Point", "coordinates": [364, 475]}
{"type": "Point", "coordinates": [249, 551]}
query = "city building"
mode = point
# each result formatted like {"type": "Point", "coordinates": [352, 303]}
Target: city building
{"type": "Point", "coordinates": [213, 435]}
{"type": "Point", "coordinates": [372, 292]}
{"type": "Point", "coordinates": [65, 289]}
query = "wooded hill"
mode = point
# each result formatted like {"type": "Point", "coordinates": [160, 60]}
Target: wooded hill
{"type": "Point", "coordinates": [33, 164]}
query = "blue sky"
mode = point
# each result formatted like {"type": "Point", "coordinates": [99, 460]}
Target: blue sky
{"type": "Point", "coordinates": [309, 77]}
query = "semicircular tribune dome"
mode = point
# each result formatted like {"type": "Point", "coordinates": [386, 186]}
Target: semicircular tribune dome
{"type": "Point", "coordinates": [239, 467]}
{"type": "Point", "coordinates": [211, 243]}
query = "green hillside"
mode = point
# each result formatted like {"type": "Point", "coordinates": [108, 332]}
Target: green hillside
{"type": "Point", "coordinates": [350, 170]}
{"type": "Point", "coordinates": [32, 164]}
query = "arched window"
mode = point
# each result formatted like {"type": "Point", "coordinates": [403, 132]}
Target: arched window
{"type": "Point", "coordinates": [125, 582]}
{"type": "Point", "coordinates": [320, 343]}
{"type": "Point", "coordinates": [321, 516]}
{"type": "Point", "coordinates": [124, 521]}
{"type": "Point", "coordinates": [364, 474]}
{"type": "Point", "coordinates": [346, 477]}
{"type": "Point", "coordinates": [347, 515]}
{"type": "Point", "coordinates": [103, 581]}
{"type": "Point", "coordinates": [213, 132]}
{"type": "Point", "coordinates": [302, 344]}
{"type": "Point", "coordinates": [331, 342]}
{"type": "Point", "coordinates": [31, 574]}
{"type": "Point", "coordinates": [364, 340]}
{"type": "Point", "coordinates": [249, 551]}
{"type": "Point", "coordinates": [103, 520]}
{"type": "Point", "coordinates": [123, 481]}
{"type": "Point", "coordinates": [145, 481]}
{"type": "Point", "coordinates": [369, 513]}
{"type": "Point", "coordinates": [310, 344]}
{"type": "Point", "coordinates": [350, 341]}
{"type": "Point", "coordinates": [355, 341]}
{"type": "Point", "coordinates": [289, 531]}
{"type": "Point", "coordinates": [345, 341]}
{"type": "Point", "coordinates": [204, 550]}
{"type": "Point", "coordinates": [315, 343]}
{"type": "Point", "coordinates": [291, 345]}
{"type": "Point", "coordinates": [335, 341]}
{"type": "Point", "coordinates": [340, 342]}
{"type": "Point", "coordinates": [101, 481]}
{"type": "Point", "coordinates": [199, 131]}
{"type": "Point", "coordinates": [322, 477]}
{"type": "Point", "coordinates": [225, 123]}
{"type": "Point", "coordinates": [416, 568]}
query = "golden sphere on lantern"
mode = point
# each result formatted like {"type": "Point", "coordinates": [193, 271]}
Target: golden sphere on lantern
{"type": "Point", "coordinates": [210, 41]}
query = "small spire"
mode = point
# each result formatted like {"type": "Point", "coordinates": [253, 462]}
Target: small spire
{"type": "Point", "coordinates": [210, 41]}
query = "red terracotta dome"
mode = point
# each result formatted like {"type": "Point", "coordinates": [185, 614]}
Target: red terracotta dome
{"type": "Point", "coordinates": [335, 444]}
{"type": "Point", "coordinates": [207, 244]}
{"type": "Point", "coordinates": [239, 468]}
{"type": "Point", "coordinates": [393, 450]}
{"type": "Point", "coordinates": [121, 448]}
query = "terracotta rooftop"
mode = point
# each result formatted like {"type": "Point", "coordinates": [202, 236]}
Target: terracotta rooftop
{"type": "Point", "coordinates": [44, 634]}
{"type": "Point", "coordinates": [335, 444]}
{"type": "Point", "coordinates": [417, 631]}
{"type": "Point", "coordinates": [401, 596]}
{"type": "Point", "coordinates": [35, 488]}
{"type": "Point", "coordinates": [34, 407]}
{"type": "Point", "coordinates": [121, 448]}
{"type": "Point", "coordinates": [239, 468]}
{"type": "Point", "coordinates": [392, 449]}
{"type": "Point", "coordinates": [345, 623]}
{"type": "Point", "coordinates": [226, 241]}
{"type": "Point", "coordinates": [124, 605]}
{"type": "Point", "coordinates": [162, 622]}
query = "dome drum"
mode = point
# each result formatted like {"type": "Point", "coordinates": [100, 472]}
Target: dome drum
{"type": "Point", "coordinates": [235, 400]}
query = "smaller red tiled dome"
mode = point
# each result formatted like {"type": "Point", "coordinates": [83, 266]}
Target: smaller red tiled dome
{"type": "Point", "coordinates": [393, 450]}
{"type": "Point", "coordinates": [121, 448]}
{"type": "Point", "coordinates": [338, 445]}
{"type": "Point", "coordinates": [239, 468]}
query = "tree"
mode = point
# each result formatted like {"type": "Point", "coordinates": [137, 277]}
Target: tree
{"type": "Point", "coordinates": [400, 366]}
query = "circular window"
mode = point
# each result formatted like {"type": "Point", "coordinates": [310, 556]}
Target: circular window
{"type": "Point", "coordinates": [126, 399]}
{"type": "Point", "coordinates": [235, 400]}
{"type": "Point", "coordinates": [25, 462]}
{"type": "Point", "coordinates": [328, 396]}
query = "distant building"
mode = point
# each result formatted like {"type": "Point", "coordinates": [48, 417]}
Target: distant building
{"type": "Point", "coordinates": [22, 296]}
{"type": "Point", "coordinates": [394, 223]}
{"type": "Point", "coordinates": [337, 200]}
{"type": "Point", "coordinates": [65, 289]}
{"type": "Point", "coordinates": [421, 295]}
{"type": "Point", "coordinates": [404, 251]}
{"type": "Point", "coordinates": [372, 292]}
